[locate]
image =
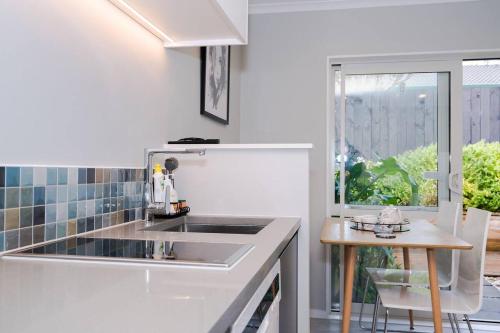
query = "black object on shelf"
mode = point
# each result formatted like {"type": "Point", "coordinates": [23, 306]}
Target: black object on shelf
{"type": "Point", "coordinates": [194, 141]}
{"type": "Point", "coordinates": [182, 212]}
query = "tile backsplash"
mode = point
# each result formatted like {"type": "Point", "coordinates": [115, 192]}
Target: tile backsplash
{"type": "Point", "coordinates": [39, 204]}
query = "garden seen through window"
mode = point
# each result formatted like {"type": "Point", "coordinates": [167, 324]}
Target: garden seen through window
{"type": "Point", "coordinates": [391, 139]}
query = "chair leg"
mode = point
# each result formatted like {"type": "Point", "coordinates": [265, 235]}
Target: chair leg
{"type": "Point", "coordinates": [452, 323]}
{"type": "Point", "coordinates": [457, 324]}
{"type": "Point", "coordinates": [468, 323]}
{"type": "Point", "coordinates": [385, 321]}
{"type": "Point", "coordinates": [363, 305]}
{"type": "Point", "coordinates": [375, 314]}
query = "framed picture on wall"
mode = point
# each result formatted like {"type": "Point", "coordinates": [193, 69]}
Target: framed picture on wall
{"type": "Point", "coordinates": [215, 82]}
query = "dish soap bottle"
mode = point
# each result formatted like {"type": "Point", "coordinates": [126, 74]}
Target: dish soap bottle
{"type": "Point", "coordinates": [159, 185]}
{"type": "Point", "coordinates": [174, 198]}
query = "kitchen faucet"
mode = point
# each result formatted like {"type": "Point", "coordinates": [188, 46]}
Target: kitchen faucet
{"type": "Point", "coordinates": [162, 208]}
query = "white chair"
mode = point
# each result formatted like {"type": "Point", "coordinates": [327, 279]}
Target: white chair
{"type": "Point", "coordinates": [448, 218]}
{"type": "Point", "coordinates": [465, 296]}
{"type": "Point", "coordinates": [446, 260]}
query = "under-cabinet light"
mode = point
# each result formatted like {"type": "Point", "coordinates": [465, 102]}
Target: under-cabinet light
{"type": "Point", "coordinates": [136, 16]}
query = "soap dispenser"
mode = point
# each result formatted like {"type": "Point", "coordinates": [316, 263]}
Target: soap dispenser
{"type": "Point", "coordinates": [170, 165]}
{"type": "Point", "coordinates": [159, 185]}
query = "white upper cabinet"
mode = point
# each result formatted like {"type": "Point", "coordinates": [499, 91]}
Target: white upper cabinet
{"type": "Point", "coordinates": [184, 23]}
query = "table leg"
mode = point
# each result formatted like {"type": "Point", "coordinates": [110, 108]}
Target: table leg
{"type": "Point", "coordinates": [435, 297]}
{"type": "Point", "coordinates": [407, 266]}
{"type": "Point", "coordinates": [349, 264]}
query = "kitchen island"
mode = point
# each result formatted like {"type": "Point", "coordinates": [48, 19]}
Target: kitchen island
{"type": "Point", "coordinates": [42, 295]}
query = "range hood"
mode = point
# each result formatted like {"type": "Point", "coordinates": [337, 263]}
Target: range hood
{"type": "Point", "coordinates": [189, 23]}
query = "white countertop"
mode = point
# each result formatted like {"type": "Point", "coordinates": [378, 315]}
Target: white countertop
{"type": "Point", "coordinates": [241, 146]}
{"type": "Point", "coordinates": [38, 295]}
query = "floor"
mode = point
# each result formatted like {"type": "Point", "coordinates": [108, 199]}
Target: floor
{"type": "Point", "coordinates": [333, 326]}
{"type": "Point", "coordinates": [490, 311]}
{"type": "Point", "coordinates": [491, 304]}
{"type": "Point", "coordinates": [492, 263]}
{"type": "Point", "coordinates": [494, 280]}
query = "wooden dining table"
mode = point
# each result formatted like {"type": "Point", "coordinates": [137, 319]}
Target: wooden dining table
{"type": "Point", "coordinates": [422, 235]}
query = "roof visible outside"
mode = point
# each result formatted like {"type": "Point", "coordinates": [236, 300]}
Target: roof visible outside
{"type": "Point", "coordinates": [481, 75]}
{"type": "Point", "coordinates": [475, 73]}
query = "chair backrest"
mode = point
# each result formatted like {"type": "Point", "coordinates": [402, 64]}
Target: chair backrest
{"type": "Point", "coordinates": [448, 216]}
{"type": "Point", "coordinates": [448, 219]}
{"type": "Point", "coordinates": [471, 267]}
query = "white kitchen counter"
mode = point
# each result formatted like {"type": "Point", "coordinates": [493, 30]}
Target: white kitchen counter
{"type": "Point", "coordinates": [38, 295]}
{"type": "Point", "coordinates": [241, 146]}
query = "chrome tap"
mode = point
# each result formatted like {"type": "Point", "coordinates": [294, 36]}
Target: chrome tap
{"type": "Point", "coordinates": [164, 207]}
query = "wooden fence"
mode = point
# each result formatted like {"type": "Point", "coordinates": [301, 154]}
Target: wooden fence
{"type": "Point", "coordinates": [481, 112]}
{"type": "Point", "coordinates": [385, 124]}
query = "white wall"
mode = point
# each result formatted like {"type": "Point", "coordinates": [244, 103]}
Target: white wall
{"type": "Point", "coordinates": [83, 84]}
{"type": "Point", "coordinates": [283, 82]}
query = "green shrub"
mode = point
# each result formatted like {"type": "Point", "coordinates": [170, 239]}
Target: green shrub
{"type": "Point", "coordinates": [481, 171]}
{"type": "Point", "coordinates": [362, 179]}
{"type": "Point", "coordinates": [415, 162]}
{"type": "Point", "coordinates": [481, 174]}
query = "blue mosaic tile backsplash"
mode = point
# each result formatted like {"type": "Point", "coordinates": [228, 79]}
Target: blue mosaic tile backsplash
{"type": "Point", "coordinates": [40, 204]}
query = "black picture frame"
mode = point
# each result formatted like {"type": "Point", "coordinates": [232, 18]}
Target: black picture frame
{"type": "Point", "coordinates": [203, 100]}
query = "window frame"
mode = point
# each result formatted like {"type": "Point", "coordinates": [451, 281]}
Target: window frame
{"type": "Point", "coordinates": [452, 62]}
{"type": "Point", "coordinates": [453, 67]}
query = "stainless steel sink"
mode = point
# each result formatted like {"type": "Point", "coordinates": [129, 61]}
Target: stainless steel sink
{"type": "Point", "coordinates": [208, 228]}
{"type": "Point", "coordinates": [219, 225]}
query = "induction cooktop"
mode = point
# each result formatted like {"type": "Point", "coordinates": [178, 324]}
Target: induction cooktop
{"type": "Point", "coordinates": [222, 255]}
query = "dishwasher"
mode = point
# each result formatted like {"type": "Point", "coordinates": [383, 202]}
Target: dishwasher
{"type": "Point", "coordinates": [261, 314]}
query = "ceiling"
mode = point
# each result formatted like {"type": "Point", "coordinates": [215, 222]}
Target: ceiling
{"type": "Point", "coordinates": [284, 6]}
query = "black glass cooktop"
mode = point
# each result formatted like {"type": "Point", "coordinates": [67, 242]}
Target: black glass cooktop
{"type": "Point", "coordinates": [102, 247]}
{"type": "Point", "coordinates": [143, 251]}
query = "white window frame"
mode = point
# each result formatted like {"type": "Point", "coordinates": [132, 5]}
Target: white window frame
{"type": "Point", "coordinates": [454, 67]}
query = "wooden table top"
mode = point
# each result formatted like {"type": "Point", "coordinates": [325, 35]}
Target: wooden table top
{"type": "Point", "coordinates": [422, 234]}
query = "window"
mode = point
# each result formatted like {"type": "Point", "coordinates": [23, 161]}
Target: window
{"type": "Point", "coordinates": [391, 144]}
{"type": "Point", "coordinates": [481, 134]}
{"type": "Point", "coordinates": [391, 139]}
